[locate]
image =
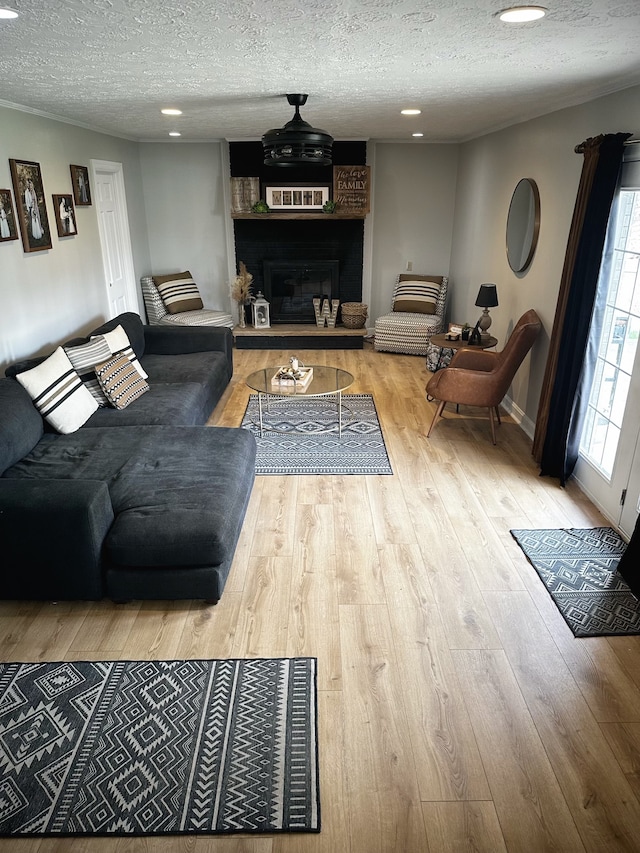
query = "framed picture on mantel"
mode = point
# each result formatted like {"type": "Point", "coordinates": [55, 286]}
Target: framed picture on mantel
{"type": "Point", "coordinates": [352, 189]}
{"type": "Point", "coordinates": [292, 197]}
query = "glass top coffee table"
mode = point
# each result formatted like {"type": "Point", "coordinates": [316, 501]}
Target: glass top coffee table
{"type": "Point", "coordinates": [325, 382]}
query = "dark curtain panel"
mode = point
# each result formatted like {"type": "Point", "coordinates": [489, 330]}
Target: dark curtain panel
{"type": "Point", "coordinates": [603, 156]}
{"type": "Point", "coordinates": [590, 149]}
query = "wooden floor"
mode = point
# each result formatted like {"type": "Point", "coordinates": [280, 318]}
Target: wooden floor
{"type": "Point", "coordinates": [457, 712]}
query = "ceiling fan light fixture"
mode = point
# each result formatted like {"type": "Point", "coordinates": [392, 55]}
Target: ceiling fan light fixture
{"type": "Point", "coordinates": [297, 143]}
{"type": "Point", "coordinates": [522, 14]}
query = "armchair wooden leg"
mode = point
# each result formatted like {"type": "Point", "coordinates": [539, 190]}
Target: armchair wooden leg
{"type": "Point", "coordinates": [493, 426]}
{"type": "Point", "coordinates": [438, 413]}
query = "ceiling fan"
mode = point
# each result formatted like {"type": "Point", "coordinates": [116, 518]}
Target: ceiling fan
{"type": "Point", "coordinates": [297, 143]}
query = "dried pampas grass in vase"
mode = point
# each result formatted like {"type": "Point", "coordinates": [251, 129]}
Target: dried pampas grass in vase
{"type": "Point", "coordinates": [241, 291]}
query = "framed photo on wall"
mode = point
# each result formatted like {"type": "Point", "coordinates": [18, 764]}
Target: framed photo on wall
{"type": "Point", "coordinates": [65, 215]}
{"type": "Point", "coordinates": [301, 197]}
{"type": "Point", "coordinates": [8, 225]}
{"type": "Point", "coordinates": [80, 183]}
{"type": "Point", "coordinates": [32, 210]}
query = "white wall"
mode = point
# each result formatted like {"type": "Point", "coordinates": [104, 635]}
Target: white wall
{"type": "Point", "coordinates": [489, 169]}
{"type": "Point", "coordinates": [185, 211]}
{"type": "Point", "coordinates": [414, 195]}
{"type": "Point", "coordinates": [51, 295]}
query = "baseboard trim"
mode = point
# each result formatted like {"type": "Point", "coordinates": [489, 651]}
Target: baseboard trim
{"type": "Point", "coordinates": [523, 421]}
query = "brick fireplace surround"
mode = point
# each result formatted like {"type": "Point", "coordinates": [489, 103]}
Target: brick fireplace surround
{"type": "Point", "coordinates": [318, 239]}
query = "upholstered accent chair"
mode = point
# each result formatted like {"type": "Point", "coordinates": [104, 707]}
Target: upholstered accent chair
{"type": "Point", "coordinates": [181, 304]}
{"type": "Point", "coordinates": [481, 377]}
{"type": "Point", "coordinates": [417, 312]}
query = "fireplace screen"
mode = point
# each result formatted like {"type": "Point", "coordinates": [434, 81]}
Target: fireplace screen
{"type": "Point", "coordinates": [290, 288]}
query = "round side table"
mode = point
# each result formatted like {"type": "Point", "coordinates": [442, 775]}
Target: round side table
{"type": "Point", "coordinates": [444, 344]}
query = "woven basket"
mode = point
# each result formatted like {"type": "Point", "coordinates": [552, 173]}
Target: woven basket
{"type": "Point", "coordinates": [354, 314]}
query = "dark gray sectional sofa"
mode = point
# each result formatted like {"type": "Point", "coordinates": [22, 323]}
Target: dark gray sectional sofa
{"type": "Point", "coordinates": [140, 503]}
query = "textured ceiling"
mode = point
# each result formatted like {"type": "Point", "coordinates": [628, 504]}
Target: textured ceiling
{"type": "Point", "coordinates": [112, 64]}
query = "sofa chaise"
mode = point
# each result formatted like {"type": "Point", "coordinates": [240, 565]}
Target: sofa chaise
{"type": "Point", "coordinates": [143, 502]}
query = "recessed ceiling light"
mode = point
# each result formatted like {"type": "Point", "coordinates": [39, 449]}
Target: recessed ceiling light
{"type": "Point", "coordinates": [417, 134]}
{"type": "Point", "coordinates": [8, 13]}
{"type": "Point", "coordinates": [174, 133]}
{"type": "Point", "coordinates": [522, 14]}
{"type": "Point", "coordinates": [170, 111]}
{"type": "Point", "coordinates": [410, 112]}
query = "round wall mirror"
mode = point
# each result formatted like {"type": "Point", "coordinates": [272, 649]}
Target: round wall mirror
{"type": "Point", "coordinates": [523, 224]}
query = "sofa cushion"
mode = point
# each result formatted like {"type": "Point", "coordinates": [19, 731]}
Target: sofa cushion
{"type": "Point", "coordinates": [84, 357]}
{"type": "Point", "coordinates": [120, 381]}
{"type": "Point", "coordinates": [57, 392]}
{"type": "Point", "coordinates": [164, 403]}
{"type": "Point", "coordinates": [20, 423]}
{"type": "Point", "coordinates": [119, 344]}
{"type": "Point", "coordinates": [179, 292]}
{"type": "Point", "coordinates": [417, 295]}
{"type": "Point", "coordinates": [176, 494]}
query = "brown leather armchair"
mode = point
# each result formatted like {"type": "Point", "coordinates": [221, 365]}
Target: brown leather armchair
{"type": "Point", "coordinates": [480, 377]}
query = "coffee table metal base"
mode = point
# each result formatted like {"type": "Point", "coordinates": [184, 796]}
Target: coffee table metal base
{"type": "Point", "coordinates": [326, 383]}
{"type": "Point", "coordinates": [272, 399]}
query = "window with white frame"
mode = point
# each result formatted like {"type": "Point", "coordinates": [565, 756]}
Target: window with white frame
{"type": "Point", "coordinates": [620, 329]}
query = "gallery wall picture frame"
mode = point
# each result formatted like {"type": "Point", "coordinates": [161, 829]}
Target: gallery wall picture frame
{"type": "Point", "coordinates": [298, 196]}
{"type": "Point", "coordinates": [28, 189]}
{"type": "Point", "coordinates": [81, 186]}
{"type": "Point", "coordinates": [8, 224]}
{"type": "Point", "coordinates": [65, 214]}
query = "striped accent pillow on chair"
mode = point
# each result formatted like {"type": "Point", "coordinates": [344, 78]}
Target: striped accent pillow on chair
{"type": "Point", "coordinates": [179, 292]}
{"type": "Point", "coordinates": [417, 295]}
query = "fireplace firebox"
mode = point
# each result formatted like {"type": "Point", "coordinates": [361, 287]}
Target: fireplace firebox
{"type": "Point", "coordinates": [291, 286]}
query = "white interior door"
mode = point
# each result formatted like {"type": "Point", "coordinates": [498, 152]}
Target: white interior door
{"type": "Point", "coordinates": [113, 225]}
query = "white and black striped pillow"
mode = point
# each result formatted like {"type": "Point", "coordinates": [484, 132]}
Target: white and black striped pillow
{"type": "Point", "coordinates": [119, 344]}
{"type": "Point", "coordinates": [120, 381]}
{"type": "Point", "coordinates": [84, 358]}
{"type": "Point", "coordinates": [58, 393]}
{"type": "Point", "coordinates": [179, 292]}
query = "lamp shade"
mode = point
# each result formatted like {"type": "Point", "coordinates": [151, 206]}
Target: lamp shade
{"type": "Point", "coordinates": [487, 296]}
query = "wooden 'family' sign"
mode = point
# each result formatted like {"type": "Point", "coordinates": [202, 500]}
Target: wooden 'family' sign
{"type": "Point", "coordinates": [352, 189]}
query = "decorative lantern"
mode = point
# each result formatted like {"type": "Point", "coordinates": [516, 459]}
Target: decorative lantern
{"type": "Point", "coordinates": [260, 311]}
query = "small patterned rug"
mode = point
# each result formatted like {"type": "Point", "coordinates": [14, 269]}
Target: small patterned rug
{"type": "Point", "coordinates": [578, 568]}
{"type": "Point", "coordinates": [301, 436]}
{"type": "Point", "coordinates": [158, 747]}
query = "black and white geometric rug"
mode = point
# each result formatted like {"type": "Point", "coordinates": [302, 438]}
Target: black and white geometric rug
{"type": "Point", "coordinates": [578, 568]}
{"type": "Point", "coordinates": [158, 747]}
{"type": "Point", "coordinates": [301, 437]}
